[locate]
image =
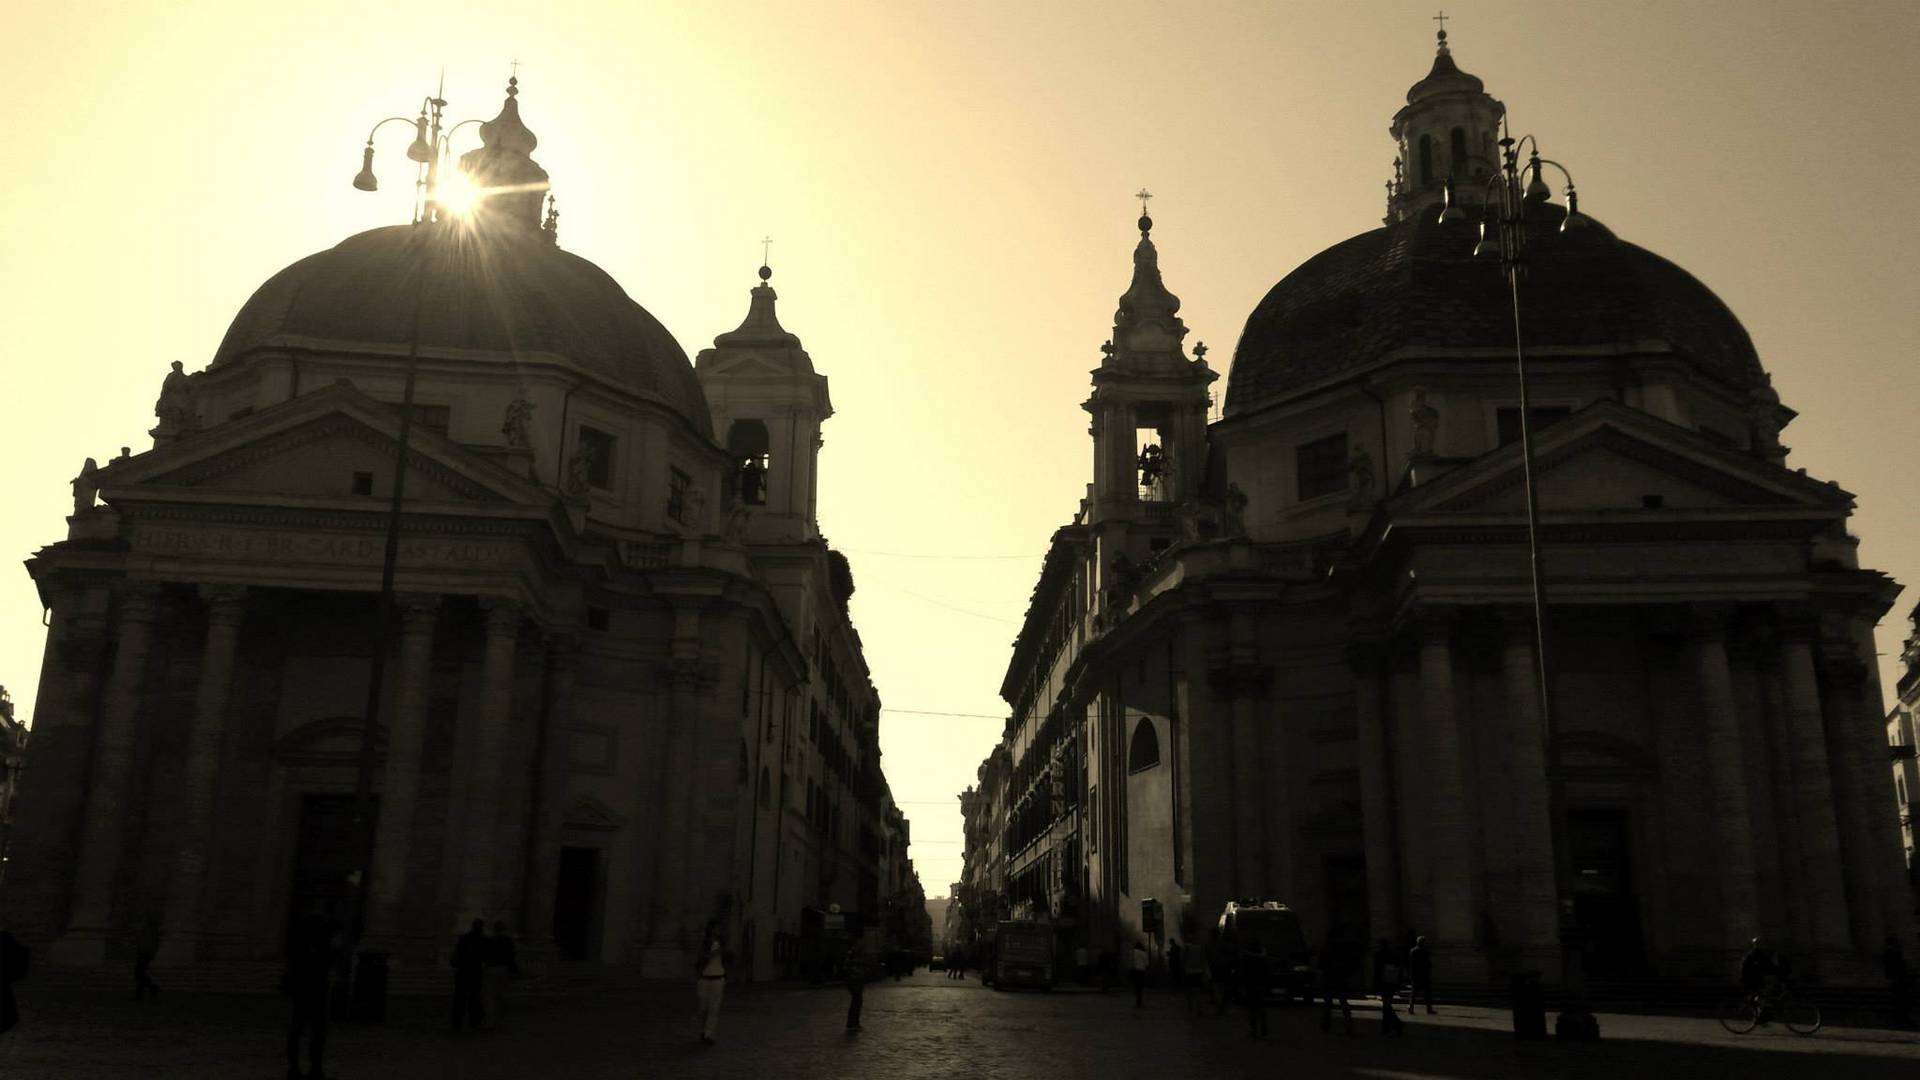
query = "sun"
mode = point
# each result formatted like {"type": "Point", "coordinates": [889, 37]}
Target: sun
{"type": "Point", "coordinates": [458, 195]}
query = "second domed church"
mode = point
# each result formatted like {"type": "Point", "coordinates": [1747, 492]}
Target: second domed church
{"type": "Point", "coordinates": [1289, 655]}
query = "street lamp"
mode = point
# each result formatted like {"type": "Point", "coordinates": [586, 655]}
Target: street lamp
{"type": "Point", "coordinates": [429, 150]}
{"type": "Point", "coordinates": [1503, 233]}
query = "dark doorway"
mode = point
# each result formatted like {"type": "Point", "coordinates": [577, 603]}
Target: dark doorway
{"type": "Point", "coordinates": [323, 856]}
{"type": "Point", "coordinates": [1600, 845]}
{"type": "Point", "coordinates": [576, 894]}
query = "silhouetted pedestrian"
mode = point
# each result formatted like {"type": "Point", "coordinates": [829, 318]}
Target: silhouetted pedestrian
{"type": "Point", "coordinates": [469, 965]}
{"type": "Point", "coordinates": [499, 965]}
{"type": "Point", "coordinates": [1256, 978]}
{"type": "Point", "coordinates": [1336, 974]}
{"type": "Point", "coordinates": [856, 971]}
{"type": "Point", "coordinates": [146, 942]}
{"type": "Point", "coordinates": [1137, 971]}
{"type": "Point", "coordinates": [710, 981]}
{"type": "Point", "coordinates": [13, 968]}
{"type": "Point", "coordinates": [1386, 981]}
{"type": "Point", "coordinates": [1899, 983]}
{"type": "Point", "coordinates": [1420, 973]}
{"type": "Point", "coordinates": [312, 951]}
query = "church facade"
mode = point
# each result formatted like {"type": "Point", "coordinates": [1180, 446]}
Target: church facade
{"type": "Point", "coordinates": [1289, 655]}
{"type": "Point", "coordinates": [624, 696]}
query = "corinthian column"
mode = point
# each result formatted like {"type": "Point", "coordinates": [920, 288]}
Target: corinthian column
{"type": "Point", "coordinates": [549, 793]}
{"type": "Point", "coordinates": [103, 824]}
{"type": "Point", "coordinates": [226, 606]}
{"type": "Point", "coordinates": [1450, 827]}
{"type": "Point", "coordinates": [1732, 817]}
{"type": "Point", "coordinates": [400, 779]}
{"type": "Point", "coordinates": [1818, 833]}
{"type": "Point", "coordinates": [489, 743]}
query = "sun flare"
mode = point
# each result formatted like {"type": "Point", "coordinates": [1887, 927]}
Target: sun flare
{"type": "Point", "coordinates": [458, 194]}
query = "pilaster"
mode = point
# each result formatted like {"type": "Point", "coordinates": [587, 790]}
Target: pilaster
{"type": "Point", "coordinates": [1726, 764]}
{"type": "Point", "coordinates": [1818, 833]}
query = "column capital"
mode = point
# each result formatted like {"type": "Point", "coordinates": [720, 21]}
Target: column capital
{"type": "Point", "coordinates": [563, 645]}
{"type": "Point", "coordinates": [1709, 620]}
{"type": "Point", "coordinates": [417, 611]}
{"type": "Point", "coordinates": [1514, 621]}
{"type": "Point", "coordinates": [226, 604]}
{"type": "Point", "coordinates": [1366, 656]}
{"type": "Point", "coordinates": [139, 601]}
{"type": "Point", "coordinates": [503, 615]}
{"type": "Point", "coordinates": [1434, 624]}
{"type": "Point", "coordinates": [1838, 661]}
{"type": "Point", "coordinates": [1799, 622]}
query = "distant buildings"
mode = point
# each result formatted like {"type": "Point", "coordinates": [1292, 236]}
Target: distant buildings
{"type": "Point", "coordinates": [13, 763]}
{"type": "Point", "coordinates": [1902, 729]}
{"type": "Point", "coordinates": [1290, 655]}
{"type": "Point", "coordinates": [624, 699]}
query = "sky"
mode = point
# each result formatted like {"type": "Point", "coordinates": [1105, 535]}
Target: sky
{"type": "Point", "coordinates": [949, 191]}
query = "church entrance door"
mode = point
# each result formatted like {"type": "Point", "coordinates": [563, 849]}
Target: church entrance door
{"type": "Point", "coordinates": [1604, 904]}
{"type": "Point", "coordinates": [323, 856]}
{"type": "Point", "coordinates": [575, 895]}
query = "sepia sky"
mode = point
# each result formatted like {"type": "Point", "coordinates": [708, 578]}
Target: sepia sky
{"type": "Point", "coordinates": [948, 189]}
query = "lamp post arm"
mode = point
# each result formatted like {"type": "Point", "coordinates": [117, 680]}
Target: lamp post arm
{"type": "Point", "coordinates": [1564, 174]}
{"type": "Point", "coordinates": [384, 123]}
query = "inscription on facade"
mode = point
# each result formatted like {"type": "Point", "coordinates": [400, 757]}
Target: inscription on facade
{"type": "Point", "coordinates": [315, 547]}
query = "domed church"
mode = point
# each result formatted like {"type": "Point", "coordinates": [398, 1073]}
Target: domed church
{"type": "Point", "coordinates": [623, 696]}
{"type": "Point", "coordinates": [1289, 655]}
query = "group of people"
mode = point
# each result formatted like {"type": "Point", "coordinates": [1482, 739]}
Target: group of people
{"type": "Point", "coordinates": [1229, 971]}
{"type": "Point", "coordinates": [483, 965]}
{"type": "Point", "coordinates": [857, 969]}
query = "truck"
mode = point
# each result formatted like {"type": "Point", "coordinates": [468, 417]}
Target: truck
{"type": "Point", "coordinates": [1022, 955]}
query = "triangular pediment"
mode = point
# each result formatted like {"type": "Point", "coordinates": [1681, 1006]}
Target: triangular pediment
{"type": "Point", "coordinates": [313, 447]}
{"type": "Point", "coordinates": [1609, 457]}
{"type": "Point", "coordinates": [587, 812]}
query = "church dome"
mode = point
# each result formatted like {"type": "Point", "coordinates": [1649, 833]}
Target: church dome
{"type": "Point", "coordinates": [506, 291]}
{"type": "Point", "coordinates": [1415, 284]}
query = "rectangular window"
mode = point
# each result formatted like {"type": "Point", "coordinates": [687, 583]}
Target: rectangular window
{"type": "Point", "coordinates": [1507, 420]}
{"type": "Point", "coordinates": [596, 448]}
{"type": "Point", "coordinates": [1320, 467]}
{"type": "Point", "coordinates": [363, 483]}
{"type": "Point", "coordinates": [677, 485]}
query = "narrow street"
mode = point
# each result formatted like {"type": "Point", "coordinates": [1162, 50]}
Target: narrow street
{"type": "Point", "coordinates": [924, 1026]}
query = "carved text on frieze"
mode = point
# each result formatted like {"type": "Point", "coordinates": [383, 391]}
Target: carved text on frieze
{"type": "Point", "coordinates": [315, 547]}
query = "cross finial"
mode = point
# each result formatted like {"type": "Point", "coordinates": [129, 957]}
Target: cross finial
{"type": "Point", "coordinates": [1143, 195]}
{"type": "Point", "coordinates": [1442, 20]}
{"type": "Point", "coordinates": [766, 246]}
{"type": "Point", "coordinates": [514, 69]}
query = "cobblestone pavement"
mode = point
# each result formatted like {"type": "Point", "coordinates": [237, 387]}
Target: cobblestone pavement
{"type": "Point", "coordinates": [925, 1026]}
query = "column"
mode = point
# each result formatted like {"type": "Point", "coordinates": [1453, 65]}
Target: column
{"type": "Point", "coordinates": [103, 824]}
{"type": "Point", "coordinates": [226, 606]}
{"type": "Point", "coordinates": [672, 897]}
{"type": "Point", "coordinates": [1450, 828]}
{"type": "Point", "coordinates": [549, 793]}
{"type": "Point", "coordinates": [1732, 819]}
{"type": "Point", "coordinates": [1818, 835]}
{"type": "Point", "coordinates": [1537, 893]}
{"type": "Point", "coordinates": [1369, 709]}
{"type": "Point", "coordinates": [400, 778]}
{"type": "Point", "coordinates": [1863, 789]}
{"type": "Point", "coordinates": [490, 737]}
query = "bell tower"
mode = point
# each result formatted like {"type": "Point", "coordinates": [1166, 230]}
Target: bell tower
{"type": "Point", "coordinates": [1149, 402]}
{"type": "Point", "coordinates": [1447, 130]}
{"type": "Point", "coordinates": [767, 404]}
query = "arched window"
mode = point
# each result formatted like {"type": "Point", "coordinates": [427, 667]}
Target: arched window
{"type": "Point", "coordinates": [1144, 751]}
{"type": "Point", "coordinates": [1458, 166]}
{"type": "Point", "coordinates": [1426, 159]}
{"type": "Point", "coordinates": [748, 444]}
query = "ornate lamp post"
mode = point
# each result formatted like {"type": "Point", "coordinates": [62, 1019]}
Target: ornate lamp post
{"type": "Point", "coordinates": [1509, 192]}
{"type": "Point", "coordinates": [434, 220]}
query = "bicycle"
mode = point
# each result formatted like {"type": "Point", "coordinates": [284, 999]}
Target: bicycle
{"type": "Point", "coordinates": [1744, 1012]}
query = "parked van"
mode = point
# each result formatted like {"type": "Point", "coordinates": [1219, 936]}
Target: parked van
{"type": "Point", "coordinates": [1277, 928]}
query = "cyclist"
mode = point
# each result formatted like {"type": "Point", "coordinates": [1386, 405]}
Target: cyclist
{"type": "Point", "coordinates": [1760, 972]}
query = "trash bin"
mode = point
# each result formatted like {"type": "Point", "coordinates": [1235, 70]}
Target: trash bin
{"type": "Point", "coordinates": [370, 988]}
{"type": "Point", "coordinates": [1529, 1006]}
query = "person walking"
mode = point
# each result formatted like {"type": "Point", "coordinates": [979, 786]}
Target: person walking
{"type": "Point", "coordinates": [1137, 971]}
{"type": "Point", "coordinates": [469, 965]}
{"type": "Point", "coordinates": [1336, 969]}
{"type": "Point", "coordinates": [1256, 978]}
{"type": "Point", "coordinates": [146, 942]}
{"type": "Point", "coordinates": [1386, 982]}
{"type": "Point", "coordinates": [710, 981]}
{"type": "Point", "coordinates": [13, 968]}
{"type": "Point", "coordinates": [1899, 983]}
{"type": "Point", "coordinates": [312, 951]}
{"type": "Point", "coordinates": [499, 965]}
{"type": "Point", "coordinates": [856, 971]}
{"type": "Point", "coordinates": [1420, 971]}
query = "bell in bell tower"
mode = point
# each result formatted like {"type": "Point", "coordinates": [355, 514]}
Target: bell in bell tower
{"type": "Point", "coordinates": [1447, 131]}
{"type": "Point", "coordinates": [767, 404]}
